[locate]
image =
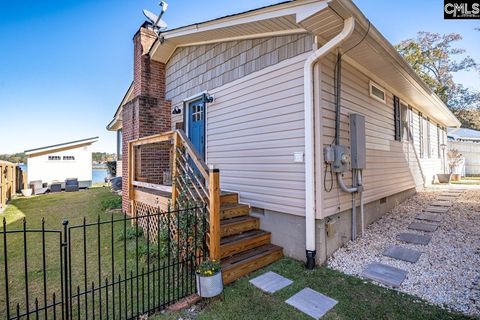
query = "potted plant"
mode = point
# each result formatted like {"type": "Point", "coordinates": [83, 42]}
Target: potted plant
{"type": "Point", "coordinates": [455, 159]}
{"type": "Point", "coordinates": [209, 279]}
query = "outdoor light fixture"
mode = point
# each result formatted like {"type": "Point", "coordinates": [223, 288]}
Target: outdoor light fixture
{"type": "Point", "coordinates": [208, 98]}
{"type": "Point", "coordinates": [176, 110]}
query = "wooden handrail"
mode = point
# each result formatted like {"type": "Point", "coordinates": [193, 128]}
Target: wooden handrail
{"type": "Point", "coordinates": [161, 137]}
{"type": "Point", "coordinates": [197, 159]}
{"type": "Point", "coordinates": [183, 152]}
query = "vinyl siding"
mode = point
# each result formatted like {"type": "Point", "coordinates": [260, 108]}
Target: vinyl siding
{"type": "Point", "coordinates": [392, 166]}
{"type": "Point", "coordinates": [195, 69]}
{"type": "Point", "coordinates": [254, 127]}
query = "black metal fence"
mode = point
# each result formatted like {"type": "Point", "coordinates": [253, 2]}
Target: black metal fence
{"type": "Point", "coordinates": [116, 269]}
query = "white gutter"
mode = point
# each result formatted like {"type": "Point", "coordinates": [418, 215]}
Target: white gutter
{"type": "Point", "coordinates": [348, 27]}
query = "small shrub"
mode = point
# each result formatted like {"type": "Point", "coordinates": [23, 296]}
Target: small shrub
{"type": "Point", "coordinates": [111, 203]}
{"type": "Point", "coordinates": [143, 252]}
{"type": "Point", "coordinates": [131, 233]}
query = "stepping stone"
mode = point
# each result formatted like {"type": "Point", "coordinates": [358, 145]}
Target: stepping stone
{"type": "Point", "coordinates": [441, 204]}
{"type": "Point", "coordinates": [311, 302]}
{"type": "Point", "coordinates": [385, 274]}
{"type": "Point", "coordinates": [449, 195]}
{"type": "Point", "coordinates": [401, 253]}
{"type": "Point", "coordinates": [270, 282]}
{"type": "Point", "coordinates": [434, 217]}
{"type": "Point", "coordinates": [414, 238]}
{"type": "Point", "coordinates": [422, 226]}
{"type": "Point", "coordinates": [446, 198]}
{"type": "Point", "coordinates": [436, 209]}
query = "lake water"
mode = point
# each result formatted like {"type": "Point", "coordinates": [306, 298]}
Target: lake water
{"type": "Point", "coordinates": [98, 175]}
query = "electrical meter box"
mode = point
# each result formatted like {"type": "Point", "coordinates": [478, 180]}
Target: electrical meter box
{"type": "Point", "coordinates": [357, 141]}
{"type": "Point", "coordinates": [342, 159]}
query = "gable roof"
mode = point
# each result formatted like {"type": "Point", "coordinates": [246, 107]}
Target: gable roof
{"type": "Point", "coordinates": [116, 122]}
{"type": "Point", "coordinates": [369, 51]}
{"type": "Point", "coordinates": [65, 145]}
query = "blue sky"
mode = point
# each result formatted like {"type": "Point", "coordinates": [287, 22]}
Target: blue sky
{"type": "Point", "coordinates": [65, 65]}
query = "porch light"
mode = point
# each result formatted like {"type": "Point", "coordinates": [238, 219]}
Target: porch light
{"type": "Point", "coordinates": [176, 110]}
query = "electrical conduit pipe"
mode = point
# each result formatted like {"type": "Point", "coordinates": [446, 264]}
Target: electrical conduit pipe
{"type": "Point", "coordinates": [348, 27]}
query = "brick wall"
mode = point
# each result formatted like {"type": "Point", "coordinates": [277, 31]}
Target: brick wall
{"type": "Point", "coordinates": [146, 114]}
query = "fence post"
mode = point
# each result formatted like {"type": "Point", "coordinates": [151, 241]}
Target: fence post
{"type": "Point", "coordinates": [131, 177]}
{"type": "Point", "coordinates": [3, 186]}
{"type": "Point", "coordinates": [14, 179]}
{"type": "Point", "coordinates": [66, 297]}
{"type": "Point", "coordinates": [214, 221]}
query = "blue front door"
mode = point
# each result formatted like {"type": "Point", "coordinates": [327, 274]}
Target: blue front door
{"type": "Point", "coordinates": [196, 125]}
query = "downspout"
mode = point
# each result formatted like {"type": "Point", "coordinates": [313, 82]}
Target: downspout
{"type": "Point", "coordinates": [348, 27]}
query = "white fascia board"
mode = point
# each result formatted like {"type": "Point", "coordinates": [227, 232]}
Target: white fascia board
{"type": "Point", "coordinates": [286, 9]}
{"type": "Point", "coordinates": [62, 146]}
{"type": "Point", "coordinates": [306, 12]}
{"type": "Point", "coordinates": [163, 51]}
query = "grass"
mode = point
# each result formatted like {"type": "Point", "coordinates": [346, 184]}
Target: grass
{"type": "Point", "coordinates": [357, 299]}
{"type": "Point", "coordinates": [90, 205]}
{"type": "Point", "coordinates": [467, 181]}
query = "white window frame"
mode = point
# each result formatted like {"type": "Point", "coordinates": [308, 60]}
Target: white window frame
{"type": "Point", "coordinates": [379, 87]}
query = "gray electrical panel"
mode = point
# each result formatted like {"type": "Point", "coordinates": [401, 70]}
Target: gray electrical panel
{"type": "Point", "coordinates": [357, 141]}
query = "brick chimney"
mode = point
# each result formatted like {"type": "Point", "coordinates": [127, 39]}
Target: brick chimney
{"type": "Point", "coordinates": [146, 114]}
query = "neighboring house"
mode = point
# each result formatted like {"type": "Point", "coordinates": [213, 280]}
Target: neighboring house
{"type": "Point", "coordinates": [255, 93]}
{"type": "Point", "coordinates": [463, 134]}
{"type": "Point", "coordinates": [61, 161]}
{"type": "Point", "coordinates": [467, 142]}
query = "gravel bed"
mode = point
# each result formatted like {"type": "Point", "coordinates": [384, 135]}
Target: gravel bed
{"type": "Point", "coordinates": [447, 273]}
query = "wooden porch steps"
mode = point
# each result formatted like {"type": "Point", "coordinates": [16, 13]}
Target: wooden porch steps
{"type": "Point", "coordinates": [243, 263]}
{"type": "Point", "coordinates": [238, 225]}
{"type": "Point", "coordinates": [244, 248]}
{"type": "Point", "coordinates": [233, 210]}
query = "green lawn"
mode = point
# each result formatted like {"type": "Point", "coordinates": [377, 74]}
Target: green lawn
{"type": "Point", "coordinates": [468, 181]}
{"type": "Point", "coordinates": [357, 299]}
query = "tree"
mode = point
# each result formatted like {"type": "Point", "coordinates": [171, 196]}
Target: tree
{"type": "Point", "coordinates": [435, 59]}
{"type": "Point", "coordinates": [15, 158]}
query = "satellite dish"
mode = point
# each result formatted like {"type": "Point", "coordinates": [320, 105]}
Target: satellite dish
{"type": "Point", "coordinates": [155, 20]}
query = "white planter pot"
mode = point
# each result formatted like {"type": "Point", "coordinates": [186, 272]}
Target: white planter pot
{"type": "Point", "coordinates": [27, 192]}
{"type": "Point", "coordinates": [208, 287]}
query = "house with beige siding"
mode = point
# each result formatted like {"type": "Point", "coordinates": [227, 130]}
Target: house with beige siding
{"type": "Point", "coordinates": [313, 122]}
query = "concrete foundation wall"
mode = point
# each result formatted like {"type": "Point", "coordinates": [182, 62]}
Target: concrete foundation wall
{"type": "Point", "coordinates": [288, 230]}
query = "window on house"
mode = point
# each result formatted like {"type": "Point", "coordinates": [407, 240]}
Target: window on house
{"type": "Point", "coordinates": [427, 138]}
{"type": "Point", "coordinates": [54, 158]}
{"type": "Point", "coordinates": [68, 158]}
{"type": "Point", "coordinates": [410, 121]}
{"type": "Point", "coordinates": [397, 119]}
{"type": "Point", "coordinates": [377, 92]}
{"type": "Point", "coordinates": [439, 133]}
{"type": "Point", "coordinates": [404, 122]}
{"type": "Point", "coordinates": [420, 134]}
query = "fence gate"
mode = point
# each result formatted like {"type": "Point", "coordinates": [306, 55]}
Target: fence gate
{"type": "Point", "coordinates": [111, 268]}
